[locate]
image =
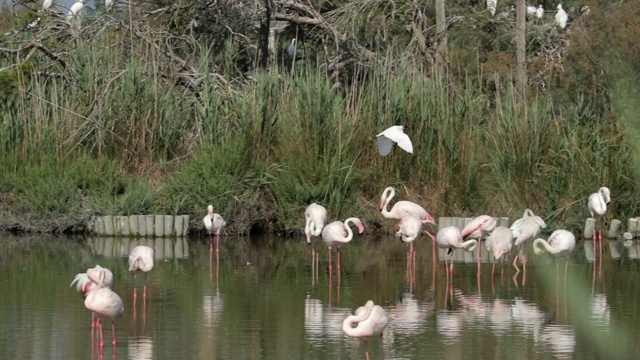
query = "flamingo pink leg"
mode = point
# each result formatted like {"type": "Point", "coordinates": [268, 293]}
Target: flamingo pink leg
{"type": "Point", "coordinates": [113, 333]}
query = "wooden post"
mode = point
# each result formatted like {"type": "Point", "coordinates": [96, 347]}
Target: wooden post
{"type": "Point", "coordinates": [588, 228]}
{"type": "Point", "coordinates": [614, 229]}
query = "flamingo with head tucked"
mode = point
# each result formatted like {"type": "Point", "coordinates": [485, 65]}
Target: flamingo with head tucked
{"type": "Point", "coordinates": [370, 320]}
{"type": "Point", "coordinates": [528, 227]}
{"type": "Point", "coordinates": [141, 259]}
{"type": "Point", "coordinates": [103, 303]}
{"type": "Point", "coordinates": [315, 216]}
{"type": "Point", "coordinates": [597, 204]}
{"type": "Point", "coordinates": [337, 233]}
{"type": "Point", "coordinates": [450, 237]}
{"type": "Point", "coordinates": [561, 243]}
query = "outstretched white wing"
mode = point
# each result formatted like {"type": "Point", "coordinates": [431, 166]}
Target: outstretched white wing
{"type": "Point", "coordinates": [391, 135]}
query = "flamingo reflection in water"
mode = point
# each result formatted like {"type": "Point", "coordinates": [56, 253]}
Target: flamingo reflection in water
{"type": "Point", "coordinates": [315, 216]}
{"type": "Point", "coordinates": [104, 303]}
{"type": "Point", "coordinates": [84, 284]}
{"type": "Point", "coordinates": [369, 320]}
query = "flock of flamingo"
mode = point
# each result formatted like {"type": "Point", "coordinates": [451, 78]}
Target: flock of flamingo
{"type": "Point", "coordinates": [369, 320]}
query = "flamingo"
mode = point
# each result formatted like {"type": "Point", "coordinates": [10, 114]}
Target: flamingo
{"type": "Point", "coordinates": [499, 243]}
{"type": "Point", "coordinates": [597, 204]}
{"type": "Point", "coordinates": [528, 227]}
{"type": "Point", "coordinates": [103, 302]}
{"type": "Point", "coordinates": [370, 320]}
{"type": "Point", "coordinates": [141, 259]}
{"type": "Point", "coordinates": [214, 223]}
{"type": "Point", "coordinates": [561, 17]}
{"type": "Point", "coordinates": [477, 228]}
{"type": "Point", "coordinates": [84, 284]}
{"type": "Point", "coordinates": [389, 136]}
{"type": "Point", "coordinates": [315, 216]}
{"type": "Point", "coordinates": [409, 230]}
{"type": "Point", "coordinates": [402, 208]}
{"type": "Point", "coordinates": [450, 237]}
{"type": "Point", "coordinates": [560, 243]}
{"type": "Point", "coordinates": [339, 232]}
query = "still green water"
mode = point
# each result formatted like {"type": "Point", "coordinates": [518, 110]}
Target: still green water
{"type": "Point", "coordinates": [259, 301]}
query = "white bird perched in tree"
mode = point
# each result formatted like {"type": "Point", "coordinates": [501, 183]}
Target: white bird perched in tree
{"type": "Point", "coordinates": [108, 4]}
{"type": "Point", "coordinates": [46, 4]}
{"type": "Point", "coordinates": [539, 11]}
{"type": "Point", "coordinates": [531, 10]}
{"type": "Point", "coordinates": [561, 17]}
{"type": "Point", "coordinates": [75, 10]}
{"type": "Point", "coordinates": [291, 49]}
{"type": "Point", "coordinates": [492, 5]}
{"type": "Point", "coordinates": [389, 136]}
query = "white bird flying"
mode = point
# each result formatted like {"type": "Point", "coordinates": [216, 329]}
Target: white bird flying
{"type": "Point", "coordinates": [389, 136]}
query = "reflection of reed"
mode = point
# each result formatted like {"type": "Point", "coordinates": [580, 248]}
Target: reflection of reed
{"type": "Point", "coordinates": [164, 248]}
{"type": "Point", "coordinates": [600, 311]}
{"type": "Point", "coordinates": [140, 348]}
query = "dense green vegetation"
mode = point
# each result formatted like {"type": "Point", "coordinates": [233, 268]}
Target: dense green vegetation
{"type": "Point", "coordinates": [155, 116]}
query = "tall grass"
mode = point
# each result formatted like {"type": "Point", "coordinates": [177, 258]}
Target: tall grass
{"type": "Point", "coordinates": [122, 139]}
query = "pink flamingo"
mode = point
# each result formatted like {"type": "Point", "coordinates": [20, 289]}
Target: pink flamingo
{"type": "Point", "coordinates": [370, 320]}
{"type": "Point", "coordinates": [405, 208]}
{"type": "Point", "coordinates": [315, 216]}
{"type": "Point", "coordinates": [499, 243]}
{"type": "Point", "coordinates": [560, 243]}
{"type": "Point", "coordinates": [528, 227]}
{"type": "Point", "coordinates": [214, 223]}
{"type": "Point", "coordinates": [409, 230]}
{"type": "Point", "coordinates": [450, 237]}
{"type": "Point", "coordinates": [140, 259]}
{"type": "Point", "coordinates": [103, 302]}
{"type": "Point", "coordinates": [598, 205]}
{"type": "Point", "coordinates": [84, 284]}
{"type": "Point", "coordinates": [478, 228]}
{"type": "Point", "coordinates": [339, 232]}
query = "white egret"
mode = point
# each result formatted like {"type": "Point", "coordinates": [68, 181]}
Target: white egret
{"type": "Point", "coordinates": [46, 4]}
{"type": "Point", "coordinates": [492, 5]}
{"type": "Point", "coordinates": [389, 136]}
{"type": "Point", "coordinates": [540, 12]}
{"type": "Point", "coordinates": [108, 4]}
{"type": "Point", "coordinates": [561, 18]}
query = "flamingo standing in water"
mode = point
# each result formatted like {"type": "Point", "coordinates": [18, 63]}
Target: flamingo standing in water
{"type": "Point", "coordinates": [84, 284]}
{"type": "Point", "coordinates": [560, 243]}
{"type": "Point", "coordinates": [450, 237]}
{"type": "Point", "coordinates": [214, 223]}
{"type": "Point", "coordinates": [140, 259]}
{"type": "Point", "coordinates": [315, 216]}
{"type": "Point", "coordinates": [528, 227]}
{"type": "Point", "coordinates": [103, 302]}
{"type": "Point", "coordinates": [478, 228]}
{"type": "Point", "coordinates": [409, 230]}
{"type": "Point", "coordinates": [598, 205]}
{"type": "Point", "coordinates": [402, 209]}
{"type": "Point", "coordinates": [499, 243]}
{"type": "Point", "coordinates": [337, 233]}
{"type": "Point", "coordinates": [370, 320]}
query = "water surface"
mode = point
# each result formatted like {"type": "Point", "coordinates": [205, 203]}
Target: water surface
{"type": "Point", "coordinates": [258, 301]}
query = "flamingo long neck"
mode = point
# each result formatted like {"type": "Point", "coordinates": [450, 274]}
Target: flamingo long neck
{"type": "Point", "coordinates": [387, 195]}
{"type": "Point", "coordinates": [349, 232]}
{"type": "Point", "coordinates": [307, 229]}
{"type": "Point", "coordinates": [469, 245]}
{"type": "Point", "coordinates": [362, 328]}
{"type": "Point", "coordinates": [603, 200]}
{"type": "Point", "coordinates": [545, 244]}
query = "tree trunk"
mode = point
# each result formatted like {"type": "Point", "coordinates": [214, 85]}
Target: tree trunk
{"type": "Point", "coordinates": [263, 46]}
{"type": "Point", "coordinates": [521, 65]}
{"type": "Point", "coordinates": [442, 46]}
